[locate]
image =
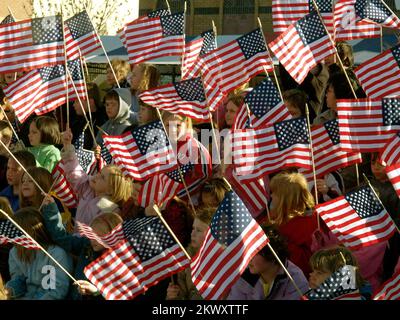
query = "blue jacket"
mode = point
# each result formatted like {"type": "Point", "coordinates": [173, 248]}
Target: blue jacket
{"type": "Point", "coordinates": [9, 194]}
{"type": "Point", "coordinates": [33, 281]}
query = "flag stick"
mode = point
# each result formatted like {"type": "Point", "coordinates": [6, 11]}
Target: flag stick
{"type": "Point", "coordinates": [40, 247]}
{"type": "Point", "coordinates": [215, 138]}
{"type": "Point", "coordinates": [66, 66]}
{"type": "Point", "coordinates": [169, 8]}
{"type": "Point", "coordinates": [102, 131]}
{"type": "Point", "coordinates": [184, 37]}
{"type": "Point", "coordinates": [391, 11]}
{"type": "Point", "coordinates": [102, 47]}
{"type": "Point", "coordinates": [51, 188]}
{"type": "Point", "coordinates": [381, 38]}
{"type": "Point", "coordinates": [284, 268]}
{"type": "Point", "coordinates": [155, 207]}
{"type": "Point", "coordinates": [177, 161]}
{"type": "Point", "coordinates": [376, 195]}
{"type": "Point", "coordinates": [312, 161]}
{"type": "Point", "coordinates": [336, 52]}
{"type": "Point", "coordinates": [9, 122]}
{"type": "Point", "coordinates": [19, 163]}
{"type": "Point", "coordinates": [272, 61]}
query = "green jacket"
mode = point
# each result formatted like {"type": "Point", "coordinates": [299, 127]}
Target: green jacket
{"type": "Point", "coordinates": [46, 155]}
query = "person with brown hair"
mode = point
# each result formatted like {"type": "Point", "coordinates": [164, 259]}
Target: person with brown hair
{"type": "Point", "coordinates": [213, 192]}
{"type": "Point", "coordinates": [295, 101]}
{"type": "Point", "coordinates": [5, 136]}
{"type": "Point", "coordinates": [44, 134]}
{"type": "Point", "coordinates": [30, 268]}
{"type": "Point", "coordinates": [146, 113]}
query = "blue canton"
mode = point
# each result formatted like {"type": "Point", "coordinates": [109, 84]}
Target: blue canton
{"type": "Point", "coordinates": [291, 132]}
{"type": "Point", "coordinates": [364, 202]}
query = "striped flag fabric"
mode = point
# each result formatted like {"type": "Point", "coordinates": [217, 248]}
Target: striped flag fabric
{"type": "Point", "coordinates": [44, 89]}
{"type": "Point", "coordinates": [287, 12]}
{"type": "Point", "coordinates": [62, 188]}
{"type": "Point", "coordinates": [379, 76]}
{"type": "Point", "coordinates": [9, 233]}
{"type": "Point", "coordinates": [340, 285]}
{"type": "Point", "coordinates": [390, 290]}
{"type": "Point", "coordinates": [146, 255]}
{"type": "Point", "coordinates": [346, 25]}
{"type": "Point", "coordinates": [228, 247]}
{"type": "Point", "coordinates": [302, 46]}
{"type": "Point", "coordinates": [257, 152]}
{"type": "Point", "coordinates": [151, 38]}
{"type": "Point", "coordinates": [390, 154]}
{"type": "Point", "coordinates": [366, 125]}
{"type": "Point", "coordinates": [80, 34]}
{"type": "Point", "coordinates": [186, 97]}
{"type": "Point", "coordinates": [194, 50]}
{"type": "Point", "coordinates": [377, 11]}
{"type": "Point", "coordinates": [265, 104]}
{"type": "Point", "coordinates": [31, 44]}
{"type": "Point", "coordinates": [328, 155]}
{"type": "Point", "coordinates": [358, 218]}
{"type": "Point", "coordinates": [233, 64]}
{"type": "Point", "coordinates": [143, 152]}
{"type": "Point", "coordinates": [8, 19]}
{"type": "Point", "coordinates": [393, 173]}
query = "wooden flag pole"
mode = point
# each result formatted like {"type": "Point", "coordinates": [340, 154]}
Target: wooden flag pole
{"type": "Point", "coordinates": [51, 188]}
{"type": "Point", "coordinates": [168, 6]}
{"type": "Point", "coordinates": [102, 47]}
{"type": "Point", "coordinates": [184, 38]}
{"type": "Point", "coordinates": [376, 195]}
{"type": "Point", "coordinates": [66, 67]}
{"type": "Point", "coordinates": [272, 61]}
{"type": "Point", "coordinates": [381, 38]}
{"type": "Point", "coordinates": [39, 246]}
{"type": "Point", "coordinates": [9, 122]}
{"type": "Point", "coordinates": [312, 161]}
{"type": "Point", "coordinates": [155, 207]}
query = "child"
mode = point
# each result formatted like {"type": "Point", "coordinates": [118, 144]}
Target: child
{"type": "Point", "coordinates": [290, 199]}
{"type": "Point", "coordinates": [184, 288]}
{"type": "Point", "coordinates": [5, 248]}
{"type": "Point", "coordinates": [109, 188]}
{"type": "Point", "coordinates": [213, 192]}
{"type": "Point", "coordinates": [86, 250]}
{"type": "Point", "coordinates": [5, 136]}
{"type": "Point", "coordinates": [265, 279]}
{"type": "Point", "coordinates": [231, 109]}
{"type": "Point", "coordinates": [117, 102]}
{"type": "Point", "coordinates": [327, 261]}
{"type": "Point", "coordinates": [44, 134]}
{"type": "Point", "coordinates": [27, 265]}
{"type": "Point", "coordinates": [295, 101]}
{"type": "Point", "coordinates": [31, 196]}
{"type": "Point", "coordinates": [121, 69]}
{"type": "Point", "coordinates": [146, 114]}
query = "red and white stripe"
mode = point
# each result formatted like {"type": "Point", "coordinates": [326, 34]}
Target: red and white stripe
{"type": "Point", "coordinates": [390, 154]}
{"type": "Point", "coordinates": [216, 268]}
{"type": "Point", "coordinates": [18, 53]}
{"type": "Point", "coordinates": [144, 41]}
{"type": "Point", "coordinates": [379, 76]}
{"type": "Point", "coordinates": [121, 275]}
{"type": "Point", "coordinates": [298, 59]}
{"type": "Point", "coordinates": [347, 28]}
{"type": "Point", "coordinates": [361, 125]}
{"type": "Point", "coordinates": [62, 187]}
{"type": "Point", "coordinates": [158, 190]}
{"type": "Point", "coordinates": [127, 156]}
{"type": "Point", "coordinates": [393, 173]}
{"type": "Point", "coordinates": [190, 66]}
{"type": "Point", "coordinates": [390, 290]}
{"type": "Point", "coordinates": [86, 44]}
{"type": "Point", "coordinates": [350, 229]}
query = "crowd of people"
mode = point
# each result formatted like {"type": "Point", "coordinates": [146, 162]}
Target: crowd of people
{"type": "Point", "coordinates": [308, 249]}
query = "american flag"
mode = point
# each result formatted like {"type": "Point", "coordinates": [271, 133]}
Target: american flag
{"type": "Point", "coordinates": [31, 44]}
{"type": "Point", "coordinates": [379, 76]}
{"type": "Point", "coordinates": [153, 38]}
{"type": "Point", "coordinates": [302, 46]}
{"type": "Point", "coordinates": [233, 64]}
{"type": "Point", "coordinates": [232, 240]}
{"type": "Point", "coordinates": [184, 97]}
{"type": "Point", "coordinates": [8, 19]}
{"type": "Point", "coordinates": [393, 173]}
{"type": "Point", "coordinates": [80, 35]}
{"type": "Point", "coordinates": [87, 161]}
{"type": "Point", "coordinates": [153, 14]}
{"type": "Point", "coordinates": [287, 12]}
{"type": "Point", "coordinates": [390, 154]}
{"type": "Point", "coordinates": [347, 27]}
{"type": "Point", "coordinates": [390, 290]}
{"type": "Point", "coordinates": [44, 89]}
{"type": "Point", "coordinates": [142, 152]}
{"type": "Point", "coordinates": [376, 11]}
{"type": "Point", "coordinates": [62, 187]}
{"type": "Point", "coordinates": [328, 155]}
{"type": "Point", "coordinates": [105, 154]}
{"type": "Point", "coordinates": [358, 219]}
{"type": "Point", "coordinates": [9, 233]}
{"type": "Point", "coordinates": [257, 152]}
{"type": "Point", "coordinates": [146, 255]}
{"type": "Point", "coordinates": [266, 105]}
{"type": "Point", "coordinates": [194, 50]}
{"type": "Point", "coordinates": [366, 125]}
{"type": "Point", "coordinates": [341, 285]}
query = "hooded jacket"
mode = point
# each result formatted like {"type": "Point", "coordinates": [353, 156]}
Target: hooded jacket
{"type": "Point", "coordinates": [124, 118]}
